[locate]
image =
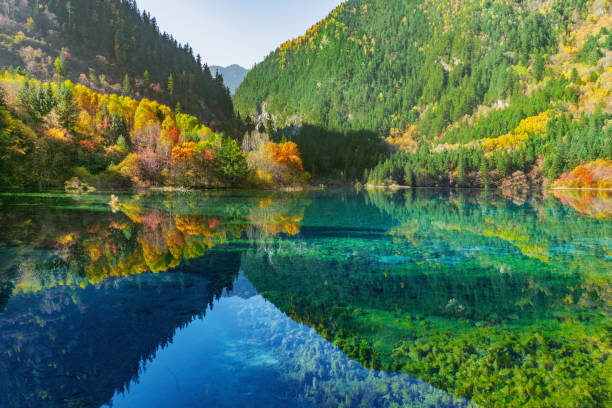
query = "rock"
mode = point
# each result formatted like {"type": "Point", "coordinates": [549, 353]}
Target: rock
{"type": "Point", "coordinates": [516, 187]}
{"type": "Point", "coordinates": [76, 186]}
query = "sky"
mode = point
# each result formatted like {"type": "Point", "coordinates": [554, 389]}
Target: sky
{"type": "Point", "coordinates": [243, 32]}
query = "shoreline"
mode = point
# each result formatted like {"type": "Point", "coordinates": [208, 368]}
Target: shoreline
{"type": "Point", "coordinates": [580, 189]}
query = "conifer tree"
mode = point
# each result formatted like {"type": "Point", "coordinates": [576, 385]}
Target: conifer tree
{"type": "Point", "coordinates": [126, 84]}
{"type": "Point", "coordinates": [171, 84]}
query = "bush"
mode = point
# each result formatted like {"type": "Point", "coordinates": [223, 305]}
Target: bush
{"type": "Point", "coordinates": [83, 174]}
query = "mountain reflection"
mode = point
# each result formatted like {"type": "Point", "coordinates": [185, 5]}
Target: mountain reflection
{"type": "Point", "coordinates": [68, 347]}
{"type": "Point", "coordinates": [472, 294]}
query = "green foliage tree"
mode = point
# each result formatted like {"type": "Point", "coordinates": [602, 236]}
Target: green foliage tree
{"type": "Point", "coordinates": [36, 100]}
{"type": "Point", "coordinates": [233, 167]}
{"type": "Point", "coordinates": [590, 52]}
{"type": "Point", "coordinates": [538, 69]}
{"type": "Point", "coordinates": [65, 106]}
{"type": "Point", "coordinates": [118, 129]}
{"type": "Point", "coordinates": [484, 172]}
{"type": "Point", "coordinates": [408, 176]}
{"type": "Point", "coordinates": [608, 41]}
{"type": "Point", "coordinates": [461, 173]}
{"type": "Point", "coordinates": [59, 69]}
{"type": "Point", "coordinates": [126, 84]}
{"type": "Point", "coordinates": [171, 84]}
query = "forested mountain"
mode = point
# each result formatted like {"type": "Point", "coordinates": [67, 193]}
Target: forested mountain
{"type": "Point", "coordinates": [233, 75]}
{"type": "Point", "coordinates": [463, 92]}
{"type": "Point", "coordinates": [110, 46]}
{"type": "Point", "coordinates": [93, 94]}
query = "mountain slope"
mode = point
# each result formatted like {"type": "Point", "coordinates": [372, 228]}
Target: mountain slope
{"type": "Point", "coordinates": [233, 75]}
{"type": "Point", "coordinates": [427, 73]}
{"type": "Point", "coordinates": [110, 46]}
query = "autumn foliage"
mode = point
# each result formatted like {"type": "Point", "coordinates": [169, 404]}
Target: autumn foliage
{"type": "Point", "coordinates": [117, 140]}
{"type": "Point", "coordinates": [533, 125]}
{"type": "Point", "coordinates": [274, 164]}
{"type": "Point", "coordinates": [597, 175]}
{"type": "Point", "coordinates": [286, 154]}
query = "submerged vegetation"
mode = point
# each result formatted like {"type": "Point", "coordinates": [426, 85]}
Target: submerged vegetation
{"type": "Point", "coordinates": [480, 298]}
{"type": "Point", "coordinates": [500, 303]}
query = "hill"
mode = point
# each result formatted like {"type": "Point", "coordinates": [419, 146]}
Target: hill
{"type": "Point", "coordinates": [86, 99]}
{"type": "Point", "coordinates": [233, 75]}
{"type": "Point", "coordinates": [463, 92]}
{"type": "Point", "coordinates": [110, 47]}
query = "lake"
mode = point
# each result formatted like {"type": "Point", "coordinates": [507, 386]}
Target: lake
{"type": "Point", "coordinates": [425, 298]}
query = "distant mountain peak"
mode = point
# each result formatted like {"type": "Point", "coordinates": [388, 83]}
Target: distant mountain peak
{"type": "Point", "coordinates": [233, 75]}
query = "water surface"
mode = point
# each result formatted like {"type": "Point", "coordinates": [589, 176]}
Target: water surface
{"type": "Point", "coordinates": [336, 298]}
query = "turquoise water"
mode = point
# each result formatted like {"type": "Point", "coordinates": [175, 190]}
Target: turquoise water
{"type": "Point", "coordinates": [334, 298]}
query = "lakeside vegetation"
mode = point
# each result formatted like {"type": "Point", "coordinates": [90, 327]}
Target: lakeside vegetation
{"type": "Point", "coordinates": [53, 132]}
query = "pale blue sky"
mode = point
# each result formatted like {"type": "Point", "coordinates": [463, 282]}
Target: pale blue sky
{"type": "Point", "coordinates": [241, 32]}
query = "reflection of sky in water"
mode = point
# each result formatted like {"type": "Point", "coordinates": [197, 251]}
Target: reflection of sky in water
{"type": "Point", "coordinates": [245, 352]}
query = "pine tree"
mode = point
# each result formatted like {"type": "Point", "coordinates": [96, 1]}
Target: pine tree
{"type": "Point", "coordinates": [65, 107]}
{"type": "Point", "coordinates": [575, 78]}
{"type": "Point", "coordinates": [146, 78]}
{"type": "Point", "coordinates": [484, 173]}
{"type": "Point", "coordinates": [408, 178]}
{"type": "Point", "coordinates": [461, 173]}
{"type": "Point", "coordinates": [126, 84]}
{"type": "Point", "coordinates": [171, 84]}
{"type": "Point", "coordinates": [538, 69]}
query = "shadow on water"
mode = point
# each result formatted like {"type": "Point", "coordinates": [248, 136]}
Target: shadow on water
{"type": "Point", "coordinates": [71, 347]}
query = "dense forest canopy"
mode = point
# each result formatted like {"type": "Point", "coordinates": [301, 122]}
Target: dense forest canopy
{"type": "Point", "coordinates": [446, 83]}
{"type": "Point", "coordinates": [465, 93]}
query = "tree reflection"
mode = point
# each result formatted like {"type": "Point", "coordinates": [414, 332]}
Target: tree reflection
{"type": "Point", "coordinates": [473, 294]}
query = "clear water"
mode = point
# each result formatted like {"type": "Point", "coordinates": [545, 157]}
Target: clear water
{"type": "Point", "coordinates": [337, 298]}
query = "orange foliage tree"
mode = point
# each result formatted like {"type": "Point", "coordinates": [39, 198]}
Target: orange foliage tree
{"type": "Point", "coordinates": [287, 154]}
